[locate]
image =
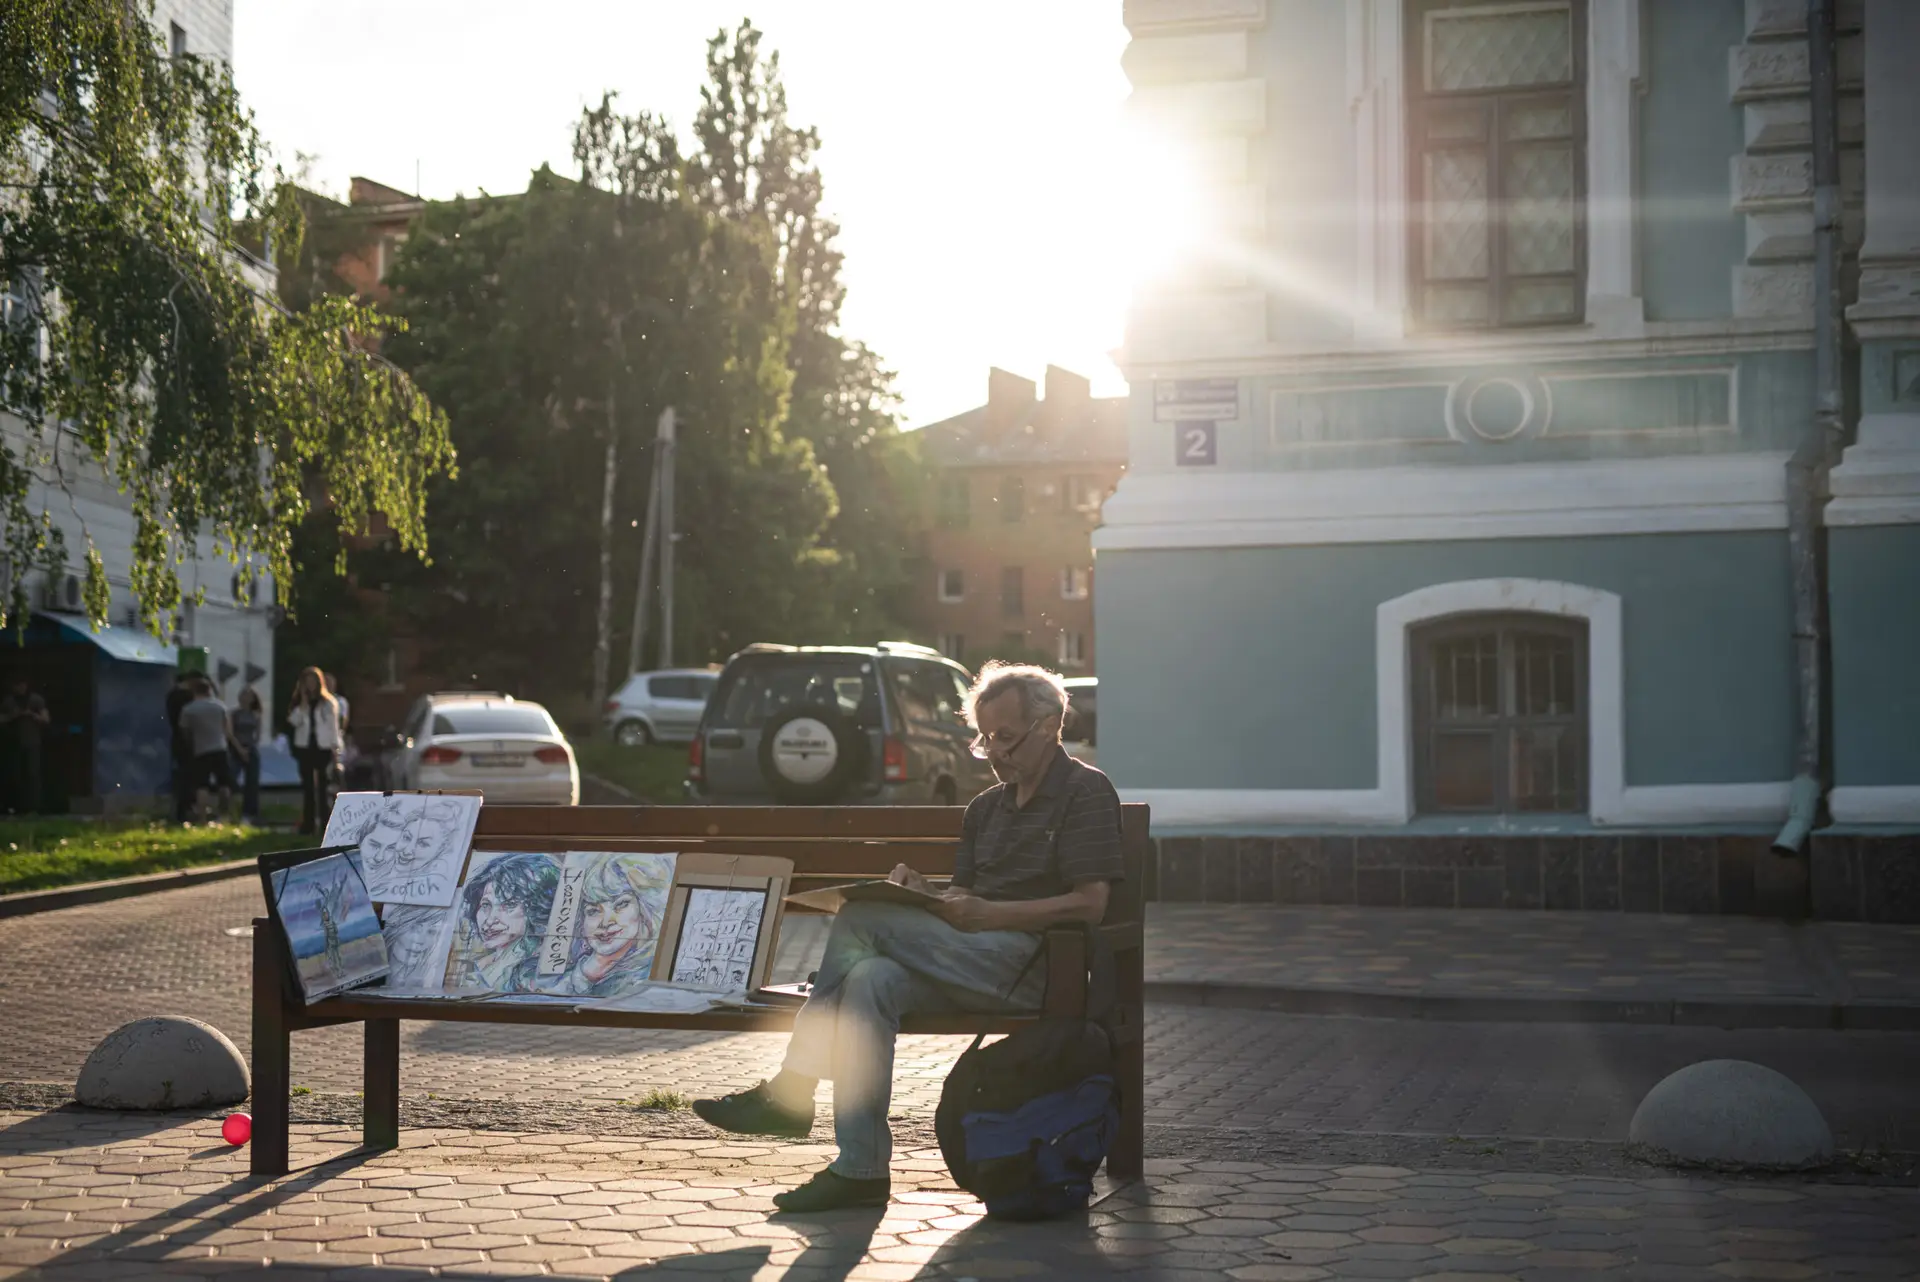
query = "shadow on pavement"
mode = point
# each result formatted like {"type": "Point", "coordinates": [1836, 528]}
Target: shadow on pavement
{"type": "Point", "coordinates": [65, 1127]}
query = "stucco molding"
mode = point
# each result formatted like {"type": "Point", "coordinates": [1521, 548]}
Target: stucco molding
{"type": "Point", "coordinates": [1390, 802]}
{"type": "Point", "coordinates": [1689, 494]}
{"type": "Point", "coordinates": [1878, 480]}
{"type": "Point", "coordinates": [1886, 804]}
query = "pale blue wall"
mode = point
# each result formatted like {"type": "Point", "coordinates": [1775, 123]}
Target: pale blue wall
{"type": "Point", "coordinates": [1254, 667]}
{"type": "Point", "coordinates": [1691, 238]}
{"type": "Point", "coordinates": [1874, 594]}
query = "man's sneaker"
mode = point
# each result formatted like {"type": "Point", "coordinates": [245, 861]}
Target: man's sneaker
{"type": "Point", "coordinates": [830, 1192]}
{"type": "Point", "coordinates": [755, 1112]}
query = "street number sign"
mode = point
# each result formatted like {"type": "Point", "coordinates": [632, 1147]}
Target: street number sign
{"type": "Point", "coordinates": [1196, 444]}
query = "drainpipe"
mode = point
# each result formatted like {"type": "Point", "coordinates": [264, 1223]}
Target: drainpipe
{"type": "Point", "coordinates": [1819, 449]}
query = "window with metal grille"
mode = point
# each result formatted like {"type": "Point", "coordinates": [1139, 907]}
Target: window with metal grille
{"type": "Point", "coordinates": [1013, 499]}
{"type": "Point", "coordinates": [1013, 600]}
{"type": "Point", "coordinates": [1500, 715]}
{"type": "Point", "coordinates": [1497, 131]}
{"type": "Point", "coordinates": [955, 503]}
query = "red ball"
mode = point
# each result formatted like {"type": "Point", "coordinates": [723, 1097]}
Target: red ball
{"type": "Point", "coordinates": [237, 1129]}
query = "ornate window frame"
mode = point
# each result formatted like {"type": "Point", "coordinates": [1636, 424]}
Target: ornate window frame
{"type": "Point", "coordinates": [1377, 97]}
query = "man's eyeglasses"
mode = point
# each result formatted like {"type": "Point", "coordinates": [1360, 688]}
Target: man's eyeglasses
{"type": "Point", "coordinates": [1004, 744]}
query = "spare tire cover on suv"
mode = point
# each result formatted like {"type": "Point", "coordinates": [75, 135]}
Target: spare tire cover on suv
{"type": "Point", "coordinates": [810, 755]}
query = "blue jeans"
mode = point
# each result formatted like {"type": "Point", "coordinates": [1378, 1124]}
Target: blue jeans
{"type": "Point", "coordinates": [883, 961]}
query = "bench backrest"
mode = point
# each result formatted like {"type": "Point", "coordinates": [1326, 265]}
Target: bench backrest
{"type": "Point", "coordinates": [827, 844]}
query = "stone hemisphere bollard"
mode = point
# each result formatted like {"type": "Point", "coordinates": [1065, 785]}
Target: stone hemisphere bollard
{"type": "Point", "coordinates": [165, 1062]}
{"type": "Point", "coordinates": [1731, 1114]}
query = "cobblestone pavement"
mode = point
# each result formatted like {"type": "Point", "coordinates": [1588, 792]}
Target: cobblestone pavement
{"type": "Point", "coordinates": [109, 1196]}
{"type": "Point", "coordinates": [1206, 1067]}
{"type": "Point", "coordinates": [1623, 956]}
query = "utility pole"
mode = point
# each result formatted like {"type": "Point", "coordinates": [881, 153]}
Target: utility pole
{"type": "Point", "coordinates": [659, 500]}
{"type": "Point", "coordinates": [667, 537]}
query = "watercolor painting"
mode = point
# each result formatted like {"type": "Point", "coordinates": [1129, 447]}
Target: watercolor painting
{"type": "Point", "coordinates": [330, 924]}
{"type": "Point", "coordinates": [418, 941]}
{"type": "Point", "coordinates": [719, 930]}
{"type": "Point", "coordinates": [411, 845]}
{"type": "Point", "coordinates": [605, 926]}
{"type": "Point", "coordinates": [501, 920]}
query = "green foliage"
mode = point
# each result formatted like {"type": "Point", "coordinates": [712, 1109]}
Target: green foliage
{"type": "Point", "coordinates": [144, 349]}
{"type": "Point", "coordinates": [546, 323]}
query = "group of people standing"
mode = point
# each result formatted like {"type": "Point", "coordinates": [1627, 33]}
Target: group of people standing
{"type": "Point", "coordinates": [213, 743]}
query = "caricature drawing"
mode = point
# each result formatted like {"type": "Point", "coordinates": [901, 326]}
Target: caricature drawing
{"type": "Point", "coordinates": [623, 900]}
{"type": "Point", "coordinates": [503, 910]}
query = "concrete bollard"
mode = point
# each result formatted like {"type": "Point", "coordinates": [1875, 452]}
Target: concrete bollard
{"type": "Point", "coordinates": [165, 1062]}
{"type": "Point", "coordinates": [1731, 1115]}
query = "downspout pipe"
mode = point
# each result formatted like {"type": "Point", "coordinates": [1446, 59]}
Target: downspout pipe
{"type": "Point", "coordinates": [1818, 450]}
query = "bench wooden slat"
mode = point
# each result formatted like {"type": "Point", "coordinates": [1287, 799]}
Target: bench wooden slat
{"type": "Point", "coordinates": [715, 821]}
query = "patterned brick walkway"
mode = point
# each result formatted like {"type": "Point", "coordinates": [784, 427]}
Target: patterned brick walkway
{"type": "Point", "coordinates": [107, 1197]}
{"type": "Point", "coordinates": [1483, 953]}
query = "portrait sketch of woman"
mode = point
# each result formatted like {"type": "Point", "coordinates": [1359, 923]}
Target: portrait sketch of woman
{"type": "Point", "coordinates": [503, 914]}
{"type": "Point", "coordinates": [623, 898]}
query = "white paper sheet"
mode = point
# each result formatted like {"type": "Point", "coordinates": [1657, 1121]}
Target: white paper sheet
{"type": "Point", "coordinates": [719, 931]}
{"type": "Point", "coordinates": [411, 844]}
{"type": "Point", "coordinates": [660, 999]}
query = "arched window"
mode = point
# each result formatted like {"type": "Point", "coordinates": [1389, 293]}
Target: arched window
{"type": "Point", "coordinates": [1500, 714]}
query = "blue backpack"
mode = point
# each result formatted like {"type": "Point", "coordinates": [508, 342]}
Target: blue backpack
{"type": "Point", "coordinates": [1025, 1122]}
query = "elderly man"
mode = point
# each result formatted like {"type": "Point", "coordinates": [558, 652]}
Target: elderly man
{"type": "Point", "coordinates": [1041, 849]}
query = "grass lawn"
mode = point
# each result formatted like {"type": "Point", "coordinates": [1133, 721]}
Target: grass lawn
{"type": "Point", "coordinates": [36, 854]}
{"type": "Point", "coordinates": [654, 771]}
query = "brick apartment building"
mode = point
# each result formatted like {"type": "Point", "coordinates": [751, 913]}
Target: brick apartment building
{"type": "Point", "coordinates": [1018, 484]}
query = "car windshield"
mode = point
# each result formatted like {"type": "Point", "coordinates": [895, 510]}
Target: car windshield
{"type": "Point", "coordinates": [759, 689]}
{"type": "Point", "coordinates": [483, 718]}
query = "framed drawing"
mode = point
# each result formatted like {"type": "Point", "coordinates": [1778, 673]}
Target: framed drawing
{"type": "Point", "coordinates": [318, 900]}
{"type": "Point", "coordinates": [722, 923]}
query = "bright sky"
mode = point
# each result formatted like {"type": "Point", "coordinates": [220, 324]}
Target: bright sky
{"type": "Point", "coordinates": [972, 152]}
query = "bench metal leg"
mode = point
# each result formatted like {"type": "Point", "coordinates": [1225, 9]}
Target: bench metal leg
{"type": "Point", "coordinates": [380, 1115]}
{"type": "Point", "coordinates": [271, 1068]}
{"type": "Point", "coordinates": [1127, 1159]}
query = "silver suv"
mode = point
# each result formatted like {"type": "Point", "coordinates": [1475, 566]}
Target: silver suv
{"type": "Point", "coordinates": [837, 725]}
{"type": "Point", "coordinates": [658, 707]}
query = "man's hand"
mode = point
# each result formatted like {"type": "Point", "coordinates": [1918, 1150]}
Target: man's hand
{"type": "Point", "coordinates": [905, 876]}
{"type": "Point", "coordinates": [966, 911]}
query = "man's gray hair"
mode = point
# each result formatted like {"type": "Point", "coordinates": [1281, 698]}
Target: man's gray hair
{"type": "Point", "coordinates": [1041, 692]}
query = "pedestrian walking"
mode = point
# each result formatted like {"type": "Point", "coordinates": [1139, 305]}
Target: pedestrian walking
{"type": "Point", "coordinates": [178, 754]}
{"type": "Point", "coordinates": [314, 720]}
{"type": "Point", "coordinates": [208, 730]}
{"type": "Point", "coordinates": [249, 719]}
{"type": "Point", "coordinates": [24, 715]}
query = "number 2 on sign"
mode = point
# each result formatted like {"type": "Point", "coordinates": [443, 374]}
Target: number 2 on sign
{"type": "Point", "coordinates": [1197, 445]}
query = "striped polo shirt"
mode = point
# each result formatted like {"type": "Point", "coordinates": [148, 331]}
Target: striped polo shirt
{"type": "Point", "coordinates": [1007, 851]}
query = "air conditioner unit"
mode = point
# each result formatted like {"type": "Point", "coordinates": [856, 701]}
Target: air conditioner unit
{"type": "Point", "coordinates": [61, 595]}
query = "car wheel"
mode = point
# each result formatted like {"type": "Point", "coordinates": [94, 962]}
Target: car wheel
{"type": "Point", "coordinates": [632, 734]}
{"type": "Point", "coordinates": [809, 756]}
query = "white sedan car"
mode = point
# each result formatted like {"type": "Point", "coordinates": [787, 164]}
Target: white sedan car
{"type": "Point", "coordinates": [511, 751]}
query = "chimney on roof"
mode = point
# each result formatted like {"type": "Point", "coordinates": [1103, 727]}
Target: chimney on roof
{"type": "Point", "coordinates": [1010, 399]}
{"type": "Point", "coordinates": [365, 191]}
{"type": "Point", "coordinates": [1068, 394]}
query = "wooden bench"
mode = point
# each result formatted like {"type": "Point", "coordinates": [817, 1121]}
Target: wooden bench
{"type": "Point", "coordinates": [826, 844]}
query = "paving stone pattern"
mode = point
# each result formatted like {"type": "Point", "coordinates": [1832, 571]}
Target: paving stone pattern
{"type": "Point", "coordinates": [126, 1197]}
{"type": "Point", "coordinates": [1206, 1068]}
{"type": "Point", "coordinates": [1500, 953]}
